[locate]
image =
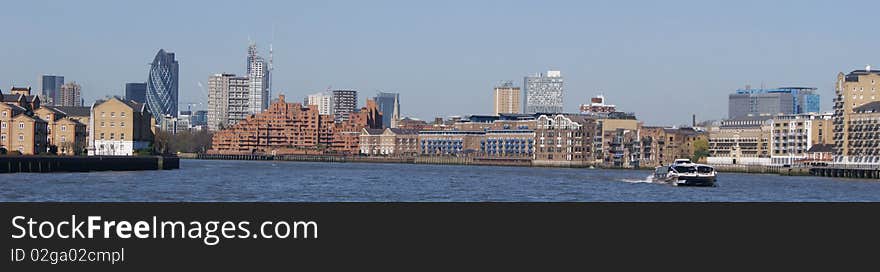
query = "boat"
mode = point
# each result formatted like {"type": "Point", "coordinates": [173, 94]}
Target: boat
{"type": "Point", "coordinates": [683, 172]}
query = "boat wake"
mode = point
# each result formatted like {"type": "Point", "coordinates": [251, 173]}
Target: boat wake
{"type": "Point", "coordinates": [649, 179]}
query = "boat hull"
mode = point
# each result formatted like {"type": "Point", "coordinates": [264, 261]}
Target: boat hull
{"type": "Point", "coordinates": [699, 181]}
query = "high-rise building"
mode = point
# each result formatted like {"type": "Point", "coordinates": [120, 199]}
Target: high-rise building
{"type": "Point", "coordinates": [51, 87]}
{"type": "Point", "coordinates": [228, 100]}
{"type": "Point", "coordinates": [854, 90]}
{"type": "Point", "coordinates": [70, 95]}
{"type": "Point", "coordinates": [389, 105]}
{"type": "Point", "coordinates": [768, 102]}
{"type": "Point", "coordinates": [507, 98]}
{"type": "Point", "coordinates": [544, 93]}
{"type": "Point", "coordinates": [200, 118]}
{"type": "Point", "coordinates": [344, 103]}
{"type": "Point", "coordinates": [136, 92]}
{"type": "Point", "coordinates": [324, 101]}
{"type": "Point", "coordinates": [258, 75]}
{"type": "Point", "coordinates": [162, 86]}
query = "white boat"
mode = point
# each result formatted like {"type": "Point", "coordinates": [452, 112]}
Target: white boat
{"type": "Point", "coordinates": [683, 172]}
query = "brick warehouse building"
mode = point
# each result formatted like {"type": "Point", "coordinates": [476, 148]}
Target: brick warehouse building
{"type": "Point", "coordinates": [290, 128]}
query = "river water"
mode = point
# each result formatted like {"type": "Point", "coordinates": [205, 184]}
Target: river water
{"type": "Point", "coordinates": [201, 180]}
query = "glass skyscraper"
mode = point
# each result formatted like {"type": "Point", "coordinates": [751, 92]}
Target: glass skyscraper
{"type": "Point", "coordinates": [136, 92]}
{"type": "Point", "coordinates": [51, 88]}
{"type": "Point", "coordinates": [162, 86]}
{"type": "Point", "coordinates": [389, 105]}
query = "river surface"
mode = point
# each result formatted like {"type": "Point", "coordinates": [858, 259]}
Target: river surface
{"type": "Point", "coordinates": [201, 180]}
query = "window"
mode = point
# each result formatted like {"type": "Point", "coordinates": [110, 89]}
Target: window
{"type": "Point", "coordinates": [102, 113]}
{"type": "Point", "coordinates": [63, 128]}
{"type": "Point", "coordinates": [48, 117]}
{"type": "Point", "coordinates": [63, 139]}
{"type": "Point", "coordinates": [20, 125]}
{"type": "Point", "coordinates": [122, 114]}
{"type": "Point", "coordinates": [3, 138]}
{"type": "Point", "coordinates": [4, 113]}
{"type": "Point", "coordinates": [3, 125]}
{"type": "Point", "coordinates": [20, 137]}
{"type": "Point", "coordinates": [112, 114]}
{"type": "Point", "coordinates": [102, 135]}
{"type": "Point", "coordinates": [112, 136]}
{"type": "Point", "coordinates": [122, 136]}
{"type": "Point", "coordinates": [122, 123]}
{"type": "Point", "coordinates": [112, 124]}
{"type": "Point", "coordinates": [102, 124]}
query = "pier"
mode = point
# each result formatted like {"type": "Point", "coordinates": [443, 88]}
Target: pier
{"type": "Point", "coordinates": [51, 164]}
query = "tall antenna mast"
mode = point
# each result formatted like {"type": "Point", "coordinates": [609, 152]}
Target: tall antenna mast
{"type": "Point", "coordinates": [271, 60]}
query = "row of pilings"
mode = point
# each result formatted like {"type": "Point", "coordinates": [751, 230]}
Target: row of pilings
{"type": "Point", "coordinates": [861, 173]}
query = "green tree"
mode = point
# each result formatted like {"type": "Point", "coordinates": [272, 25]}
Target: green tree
{"type": "Point", "coordinates": [701, 150]}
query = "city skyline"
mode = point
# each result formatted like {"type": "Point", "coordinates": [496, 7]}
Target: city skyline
{"type": "Point", "coordinates": [697, 50]}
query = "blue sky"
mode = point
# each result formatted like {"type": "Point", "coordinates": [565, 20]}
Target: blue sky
{"type": "Point", "coordinates": [663, 60]}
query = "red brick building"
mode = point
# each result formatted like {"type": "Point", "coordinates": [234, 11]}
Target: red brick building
{"type": "Point", "coordinates": [290, 128]}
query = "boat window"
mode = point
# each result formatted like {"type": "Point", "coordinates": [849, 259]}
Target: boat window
{"type": "Point", "coordinates": [704, 169]}
{"type": "Point", "coordinates": [685, 169]}
{"type": "Point", "coordinates": [662, 170]}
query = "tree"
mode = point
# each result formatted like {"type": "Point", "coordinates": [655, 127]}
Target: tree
{"type": "Point", "coordinates": [701, 150]}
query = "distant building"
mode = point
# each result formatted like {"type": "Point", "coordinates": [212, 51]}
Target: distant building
{"type": "Point", "coordinates": [853, 91]}
{"type": "Point", "coordinates": [863, 135]}
{"type": "Point", "coordinates": [162, 84]}
{"type": "Point", "coordinates": [66, 135]}
{"type": "Point", "coordinates": [227, 100]}
{"type": "Point", "coordinates": [20, 130]}
{"type": "Point", "coordinates": [768, 102]}
{"type": "Point", "coordinates": [50, 88]}
{"type": "Point", "coordinates": [324, 101]}
{"type": "Point", "coordinates": [290, 128]}
{"type": "Point", "coordinates": [450, 143]}
{"type": "Point", "coordinates": [344, 103]}
{"type": "Point", "coordinates": [389, 105]}
{"type": "Point", "coordinates": [389, 142]}
{"type": "Point", "coordinates": [597, 106]}
{"type": "Point", "coordinates": [70, 95]}
{"type": "Point", "coordinates": [200, 118]}
{"type": "Point", "coordinates": [258, 74]}
{"type": "Point", "coordinates": [793, 135]}
{"type": "Point", "coordinates": [136, 92]}
{"type": "Point", "coordinates": [564, 140]}
{"type": "Point", "coordinates": [544, 93]}
{"type": "Point", "coordinates": [741, 141]}
{"type": "Point", "coordinates": [184, 120]}
{"type": "Point", "coordinates": [507, 99]}
{"type": "Point", "coordinates": [119, 127]}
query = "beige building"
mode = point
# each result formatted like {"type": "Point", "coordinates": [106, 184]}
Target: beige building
{"type": "Point", "coordinates": [65, 135]}
{"type": "Point", "coordinates": [863, 135]}
{"type": "Point", "coordinates": [119, 127]}
{"type": "Point", "coordinates": [389, 141]}
{"type": "Point", "coordinates": [794, 135]}
{"type": "Point", "coordinates": [853, 90]}
{"type": "Point", "coordinates": [25, 134]}
{"type": "Point", "coordinates": [741, 141]}
{"type": "Point", "coordinates": [507, 99]}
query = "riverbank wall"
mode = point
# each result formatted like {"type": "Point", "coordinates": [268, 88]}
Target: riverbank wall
{"type": "Point", "coordinates": [50, 164]}
{"type": "Point", "coordinates": [441, 160]}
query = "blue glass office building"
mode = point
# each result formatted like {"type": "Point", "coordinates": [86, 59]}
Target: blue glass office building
{"type": "Point", "coordinates": [768, 102]}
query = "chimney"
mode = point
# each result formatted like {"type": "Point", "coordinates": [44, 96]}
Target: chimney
{"type": "Point", "coordinates": [694, 121]}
